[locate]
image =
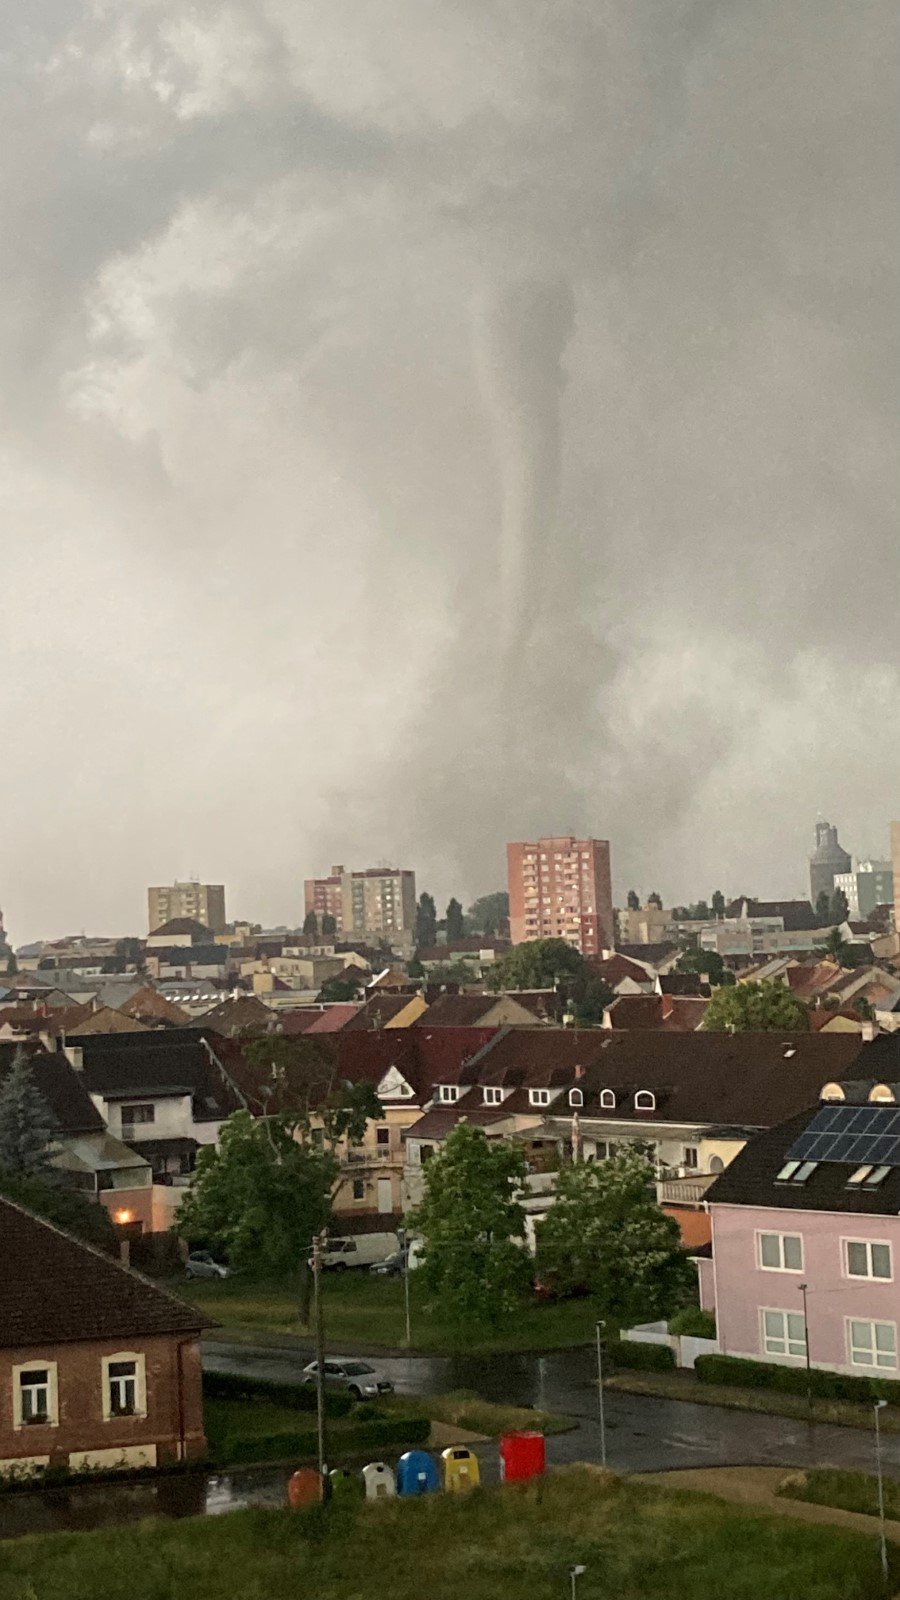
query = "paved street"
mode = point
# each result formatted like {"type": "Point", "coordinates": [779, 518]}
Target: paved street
{"type": "Point", "coordinates": [643, 1434]}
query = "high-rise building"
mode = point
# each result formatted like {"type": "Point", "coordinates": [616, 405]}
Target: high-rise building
{"type": "Point", "coordinates": [560, 888]}
{"type": "Point", "coordinates": [826, 861]}
{"type": "Point", "coordinates": [202, 902]}
{"type": "Point", "coordinates": [375, 902]}
{"type": "Point", "coordinates": [895, 863]}
{"type": "Point", "coordinates": [871, 885]}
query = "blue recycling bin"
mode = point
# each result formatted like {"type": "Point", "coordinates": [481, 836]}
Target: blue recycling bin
{"type": "Point", "coordinates": [417, 1473]}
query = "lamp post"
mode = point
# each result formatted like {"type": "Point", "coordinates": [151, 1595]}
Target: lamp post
{"type": "Point", "coordinates": [600, 1326]}
{"type": "Point", "coordinates": [803, 1288]}
{"type": "Point", "coordinates": [884, 1559]}
{"type": "Point", "coordinates": [574, 1574]}
{"type": "Point", "coordinates": [319, 1325]}
{"type": "Point", "coordinates": [402, 1236]}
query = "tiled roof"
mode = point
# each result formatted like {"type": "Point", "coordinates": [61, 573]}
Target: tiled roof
{"type": "Point", "coordinates": [232, 1015]}
{"type": "Point", "coordinates": [63, 1088]}
{"type": "Point", "coordinates": [180, 925]}
{"type": "Point", "coordinates": [379, 1009]}
{"type": "Point", "coordinates": [54, 1289]}
{"type": "Point", "coordinates": [797, 915]}
{"type": "Point", "coordinates": [440, 1121]}
{"type": "Point", "coordinates": [333, 1018]}
{"type": "Point", "coordinates": [107, 1020]}
{"type": "Point", "coordinates": [751, 1178]}
{"type": "Point", "coordinates": [615, 968]}
{"type": "Point", "coordinates": [457, 1010]}
{"type": "Point", "coordinates": [157, 1062]}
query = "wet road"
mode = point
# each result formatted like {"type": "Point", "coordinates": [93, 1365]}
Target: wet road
{"type": "Point", "coordinates": [643, 1434]}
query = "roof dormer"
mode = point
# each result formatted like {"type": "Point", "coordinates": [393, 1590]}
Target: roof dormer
{"type": "Point", "coordinates": [576, 1099]}
{"type": "Point", "coordinates": [645, 1100]}
{"type": "Point", "coordinates": [882, 1094]}
{"type": "Point", "coordinates": [608, 1099]}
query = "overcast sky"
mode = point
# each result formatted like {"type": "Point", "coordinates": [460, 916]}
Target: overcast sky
{"type": "Point", "coordinates": [430, 422]}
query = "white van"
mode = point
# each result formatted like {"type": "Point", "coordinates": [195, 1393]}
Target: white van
{"type": "Point", "coordinates": [360, 1250]}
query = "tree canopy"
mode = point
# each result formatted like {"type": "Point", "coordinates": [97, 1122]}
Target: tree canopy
{"type": "Point", "coordinates": [655, 899]}
{"type": "Point", "coordinates": [706, 962]}
{"type": "Point", "coordinates": [606, 1233]}
{"type": "Point", "coordinates": [64, 1207]}
{"type": "Point", "coordinates": [767, 1006]}
{"type": "Point", "coordinates": [426, 922]}
{"type": "Point", "coordinates": [537, 964]}
{"type": "Point", "coordinates": [838, 906]}
{"type": "Point", "coordinates": [488, 911]}
{"type": "Point", "coordinates": [717, 903]}
{"type": "Point", "coordinates": [632, 901]}
{"type": "Point", "coordinates": [454, 920]}
{"type": "Point", "coordinates": [823, 900]}
{"type": "Point", "coordinates": [27, 1125]}
{"type": "Point", "coordinates": [470, 1218]}
{"type": "Point", "coordinates": [340, 988]}
{"type": "Point", "coordinates": [329, 925]}
{"type": "Point", "coordinates": [311, 925]}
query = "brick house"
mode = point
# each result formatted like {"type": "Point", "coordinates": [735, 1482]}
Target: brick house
{"type": "Point", "coordinates": [99, 1368]}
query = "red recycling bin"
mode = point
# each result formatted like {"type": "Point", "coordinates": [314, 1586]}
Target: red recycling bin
{"type": "Point", "coordinates": [522, 1455]}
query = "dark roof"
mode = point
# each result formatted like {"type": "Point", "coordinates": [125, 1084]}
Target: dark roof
{"type": "Point", "coordinates": [652, 954]}
{"type": "Point", "coordinates": [441, 1120]}
{"type": "Point", "coordinates": [457, 1010]}
{"type": "Point", "coordinates": [751, 1178]}
{"type": "Point", "coordinates": [378, 1010]}
{"type": "Point", "coordinates": [234, 1014]}
{"type": "Point", "coordinates": [54, 1288]}
{"type": "Point", "coordinates": [165, 1065]}
{"type": "Point", "coordinates": [797, 915]}
{"type": "Point", "coordinates": [189, 955]}
{"type": "Point", "coordinates": [178, 1145]}
{"type": "Point", "coordinates": [180, 925]}
{"type": "Point", "coordinates": [63, 1088]}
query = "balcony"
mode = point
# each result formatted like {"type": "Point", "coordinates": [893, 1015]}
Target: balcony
{"type": "Point", "coordinates": [371, 1158]}
{"type": "Point", "coordinates": [684, 1191]}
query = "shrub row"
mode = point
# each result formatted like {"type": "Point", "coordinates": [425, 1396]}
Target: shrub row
{"type": "Point", "coordinates": [693, 1323]}
{"type": "Point", "coordinates": [642, 1357]}
{"type": "Point", "coordinates": [356, 1437]}
{"type": "Point", "coordinates": [736, 1371]}
{"type": "Point", "coordinates": [231, 1386]}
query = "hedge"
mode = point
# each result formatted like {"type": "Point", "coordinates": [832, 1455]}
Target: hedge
{"type": "Point", "coordinates": [232, 1386]}
{"type": "Point", "coordinates": [736, 1371]}
{"type": "Point", "coordinates": [353, 1439]}
{"type": "Point", "coordinates": [693, 1323]}
{"type": "Point", "coordinates": [642, 1357]}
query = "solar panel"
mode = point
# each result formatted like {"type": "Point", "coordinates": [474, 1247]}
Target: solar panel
{"type": "Point", "coordinates": [852, 1134]}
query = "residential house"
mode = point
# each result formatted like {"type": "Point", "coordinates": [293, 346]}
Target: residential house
{"type": "Point", "coordinates": [99, 1368]}
{"type": "Point", "coordinates": [806, 1236]}
{"type": "Point", "coordinates": [478, 1011]}
{"type": "Point", "coordinates": [672, 1012]}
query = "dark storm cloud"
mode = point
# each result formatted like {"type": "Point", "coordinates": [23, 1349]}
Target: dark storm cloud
{"type": "Point", "coordinates": [336, 333]}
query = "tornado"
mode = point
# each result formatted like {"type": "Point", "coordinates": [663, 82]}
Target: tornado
{"type": "Point", "coordinates": [524, 327]}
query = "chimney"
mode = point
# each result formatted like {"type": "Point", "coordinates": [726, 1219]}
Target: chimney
{"type": "Point", "coordinates": [579, 1072]}
{"type": "Point", "coordinates": [74, 1055]}
{"type": "Point", "coordinates": [867, 1031]}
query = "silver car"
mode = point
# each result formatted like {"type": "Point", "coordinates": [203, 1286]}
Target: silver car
{"type": "Point", "coordinates": [357, 1377]}
{"type": "Point", "coordinates": [200, 1264]}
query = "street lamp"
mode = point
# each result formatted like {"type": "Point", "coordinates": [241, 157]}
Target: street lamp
{"type": "Point", "coordinates": [600, 1326]}
{"type": "Point", "coordinates": [574, 1574]}
{"type": "Point", "coordinates": [402, 1236]}
{"type": "Point", "coordinates": [879, 1404]}
{"type": "Point", "coordinates": [803, 1288]}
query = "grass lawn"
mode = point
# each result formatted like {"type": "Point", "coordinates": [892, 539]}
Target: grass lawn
{"type": "Point", "coordinates": [264, 1429]}
{"type": "Point", "coordinates": [852, 1491]}
{"type": "Point", "coordinates": [363, 1309]}
{"type": "Point", "coordinates": [635, 1542]}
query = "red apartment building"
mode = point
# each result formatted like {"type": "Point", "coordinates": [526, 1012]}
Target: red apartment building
{"type": "Point", "coordinates": [324, 896]}
{"type": "Point", "coordinates": [561, 889]}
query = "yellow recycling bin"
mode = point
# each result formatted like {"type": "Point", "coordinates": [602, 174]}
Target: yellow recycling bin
{"type": "Point", "coordinates": [460, 1469]}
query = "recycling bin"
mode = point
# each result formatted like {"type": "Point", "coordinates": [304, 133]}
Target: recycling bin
{"type": "Point", "coordinates": [345, 1485]}
{"type": "Point", "coordinates": [522, 1455]}
{"type": "Point", "coordinates": [417, 1473]}
{"type": "Point", "coordinates": [378, 1481]}
{"type": "Point", "coordinates": [460, 1469]}
{"type": "Point", "coordinates": [304, 1488]}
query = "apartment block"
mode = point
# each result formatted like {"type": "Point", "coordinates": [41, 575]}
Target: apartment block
{"type": "Point", "coordinates": [560, 888]}
{"type": "Point", "coordinates": [325, 897]}
{"type": "Point", "coordinates": [375, 902]}
{"type": "Point", "coordinates": [203, 902]}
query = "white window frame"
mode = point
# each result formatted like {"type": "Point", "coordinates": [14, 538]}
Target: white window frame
{"type": "Point", "coordinates": [138, 1105]}
{"type": "Point", "coordinates": [539, 1097]}
{"type": "Point", "coordinates": [870, 1322]}
{"type": "Point", "coordinates": [643, 1095]}
{"type": "Point", "coordinates": [576, 1098]}
{"type": "Point", "coordinates": [492, 1095]}
{"type": "Point", "coordinates": [448, 1094]}
{"type": "Point", "coordinates": [608, 1099]}
{"type": "Point", "coordinates": [770, 1233]}
{"type": "Point", "coordinates": [869, 1276]}
{"type": "Point", "coordinates": [787, 1339]}
{"type": "Point", "coordinates": [140, 1385]}
{"type": "Point", "coordinates": [18, 1372]}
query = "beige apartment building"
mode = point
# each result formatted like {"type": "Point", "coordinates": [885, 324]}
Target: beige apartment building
{"type": "Point", "coordinates": [202, 902]}
{"type": "Point", "coordinates": [559, 888]}
{"type": "Point", "coordinates": [374, 903]}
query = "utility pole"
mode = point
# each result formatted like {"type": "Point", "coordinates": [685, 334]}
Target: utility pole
{"type": "Point", "coordinates": [803, 1288]}
{"type": "Point", "coordinates": [404, 1251]}
{"type": "Point", "coordinates": [884, 1557]}
{"type": "Point", "coordinates": [600, 1326]}
{"type": "Point", "coordinates": [319, 1328]}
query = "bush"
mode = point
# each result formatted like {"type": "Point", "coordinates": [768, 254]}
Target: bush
{"type": "Point", "coordinates": [232, 1386]}
{"type": "Point", "coordinates": [693, 1323]}
{"type": "Point", "coordinates": [354, 1438]}
{"type": "Point", "coordinates": [736, 1371]}
{"type": "Point", "coordinates": [642, 1357]}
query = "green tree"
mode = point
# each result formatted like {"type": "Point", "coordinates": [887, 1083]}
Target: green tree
{"type": "Point", "coordinates": [64, 1207]}
{"type": "Point", "coordinates": [655, 899]}
{"type": "Point", "coordinates": [700, 912]}
{"type": "Point", "coordinates": [488, 912]}
{"type": "Point", "coordinates": [426, 922]}
{"type": "Point", "coordinates": [470, 1217]}
{"type": "Point", "coordinates": [537, 964]}
{"type": "Point", "coordinates": [451, 972]}
{"type": "Point", "coordinates": [12, 965]}
{"type": "Point", "coordinates": [27, 1125]}
{"type": "Point", "coordinates": [717, 903]}
{"type": "Point", "coordinates": [455, 922]}
{"type": "Point", "coordinates": [329, 925]}
{"type": "Point", "coordinates": [834, 947]}
{"type": "Point", "coordinates": [311, 925]}
{"type": "Point", "coordinates": [822, 902]}
{"type": "Point", "coordinates": [131, 951]}
{"type": "Point", "coordinates": [838, 907]}
{"type": "Point", "coordinates": [632, 901]}
{"type": "Point", "coordinates": [415, 968]}
{"type": "Point", "coordinates": [340, 988]}
{"type": "Point", "coordinates": [708, 963]}
{"type": "Point", "coordinates": [606, 1233]}
{"type": "Point", "coordinates": [767, 1006]}
{"type": "Point", "coordinates": [588, 998]}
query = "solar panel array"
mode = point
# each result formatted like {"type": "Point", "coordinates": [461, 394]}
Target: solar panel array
{"type": "Point", "coordinates": [853, 1134]}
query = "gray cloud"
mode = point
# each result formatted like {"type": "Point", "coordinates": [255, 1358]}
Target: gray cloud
{"type": "Point", "coordinates": [274, 397]}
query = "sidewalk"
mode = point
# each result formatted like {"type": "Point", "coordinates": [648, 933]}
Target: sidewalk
{"type": "Point", "coordinates": [756, 1486]}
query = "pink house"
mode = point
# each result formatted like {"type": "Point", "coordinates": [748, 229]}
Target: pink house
{"type": "Point", "coordinates": [806, 1238]}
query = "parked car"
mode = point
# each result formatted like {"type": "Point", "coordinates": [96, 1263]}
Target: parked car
{"type": "Point", "coordinates": [200, 1264]}
{"type": "Point", "coordinates": [392, 1266]}
{"type": "Point", "coordinates": [356, 1377]}
{"type": "Point", "coordinates": [358, 1250]}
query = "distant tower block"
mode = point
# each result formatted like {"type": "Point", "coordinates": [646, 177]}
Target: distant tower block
{"type": "Point", "coordinates": [826, 861]}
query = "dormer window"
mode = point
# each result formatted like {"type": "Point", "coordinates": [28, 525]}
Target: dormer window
{"type": "Point", "coordinates": [576, 1098]}
{"type": "Point", "coordinates": [492, 1096]}
{"type": "Point", "coordinates": [644, 1100]}
{"type": "Point", "coordinates": [448, 1093]}
{"type": "Point", "coordinates": [608, 1099]}
{"type": "Point", "coordinates": [539, 1097]}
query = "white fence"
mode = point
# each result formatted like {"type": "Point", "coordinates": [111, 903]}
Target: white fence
{"type": "Point", "coordinates": [686, 1347]}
